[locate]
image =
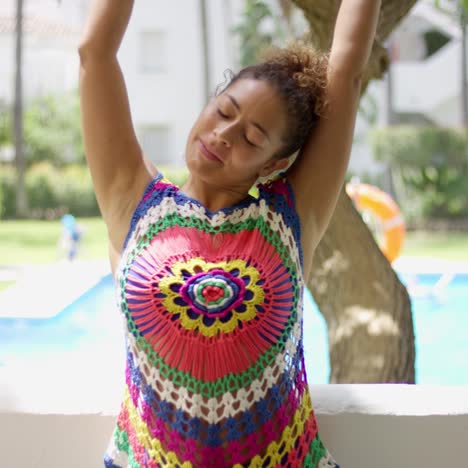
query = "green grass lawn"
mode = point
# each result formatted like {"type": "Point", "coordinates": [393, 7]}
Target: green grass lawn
{"type": "Point", "coordinates": [27, 241]}
{"type": "Point", "coordinates": [443, 245]}
{"type": "Point", "coordinates": [23, 242]}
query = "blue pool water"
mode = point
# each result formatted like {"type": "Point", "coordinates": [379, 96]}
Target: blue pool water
{"type": "Point", "coordinates": [440, 320]}
{"type": "Point", "coordinates": [440, 317]}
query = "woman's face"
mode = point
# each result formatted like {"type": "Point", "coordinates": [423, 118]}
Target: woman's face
{"type": "Point", "coordinates": [235, 137]}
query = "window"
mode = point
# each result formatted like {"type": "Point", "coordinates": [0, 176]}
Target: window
{"type": "Point", "coordinates": [435, 40]}
{"type": "Point", "coordinates": [156, 145]}
{"type": "Point", "coordinates": [152, 52]}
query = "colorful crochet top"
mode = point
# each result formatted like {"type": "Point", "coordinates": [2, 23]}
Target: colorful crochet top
{"type": "Point", "coordinates": [212, 303]}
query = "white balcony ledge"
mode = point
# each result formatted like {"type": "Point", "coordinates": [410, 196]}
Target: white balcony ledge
{"type": "Point", "coordinates": [364, 426]}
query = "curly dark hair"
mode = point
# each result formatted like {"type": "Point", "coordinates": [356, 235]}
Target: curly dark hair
{"type": "Point", "coordinates": [299, 74]}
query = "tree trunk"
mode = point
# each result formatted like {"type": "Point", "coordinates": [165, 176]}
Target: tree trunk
{"type": "Point", "coordinates": [367, 309]}
{"type": "Point", "coordinates": [20, 163]}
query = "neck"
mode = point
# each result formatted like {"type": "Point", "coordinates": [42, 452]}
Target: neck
{"type": "Point", "coordinates": [214, 196]}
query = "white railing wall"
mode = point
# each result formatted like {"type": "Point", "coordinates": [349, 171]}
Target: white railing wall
{"type": "Point", "coordinates": [364, 426]}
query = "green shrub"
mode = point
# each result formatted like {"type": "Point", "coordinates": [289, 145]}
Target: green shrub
{"type": "Point", "coordinates": [50, 191]}
{"type": "Point", "coordinates": [7, 191]}
{"type": "Point", "coordinates": [52, 130]}
{"type": "Point", "coordinates": [42, 181]}
{"type": "Point", "coordinates": [53, 191]}
{"type": "Point", "coordinates": [76, 193]}
{"type": "Point", "coordinates": [430, 168]}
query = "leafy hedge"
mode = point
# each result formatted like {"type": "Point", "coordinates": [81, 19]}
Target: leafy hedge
{"type": "Point", "coordinates": [7, 191]}
{"type": "Point", "coordinates": [53, 191]}
{"type": "Point", "coordinates": [50, 192]}
{"type": "Point", "coordinates": [430, 168]}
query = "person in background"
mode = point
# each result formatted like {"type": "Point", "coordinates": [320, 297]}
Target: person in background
{"type": "Point", "coordinates": [71, 236]}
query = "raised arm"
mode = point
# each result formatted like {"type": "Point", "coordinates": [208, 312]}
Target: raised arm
{"type": "Point", "coordinates": [114, 156]}
{"type": "Point", "coordinates": [318, 173]}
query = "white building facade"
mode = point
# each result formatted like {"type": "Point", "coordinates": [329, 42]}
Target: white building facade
{"type": "Point", "coordinates": [163, 64]}
{"type": "Point", "coordinates": [426, 83]}
{"type": "Point", "coordinates": [49, 50]}
{"type": "Point", "coordinates": [161, 58]}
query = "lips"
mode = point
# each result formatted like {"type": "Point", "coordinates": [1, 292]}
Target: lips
{"type": "Point", "coordinates": [208, 153]}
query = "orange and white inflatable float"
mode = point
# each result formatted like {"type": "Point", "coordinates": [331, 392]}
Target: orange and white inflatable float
{"type": "Point", "coordinates": [385, 211]}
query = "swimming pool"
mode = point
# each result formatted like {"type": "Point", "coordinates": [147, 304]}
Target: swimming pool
{"type": "Point", "coordinates": [440, 316]}
{"type": "Point", "coordinates": [91, 324]}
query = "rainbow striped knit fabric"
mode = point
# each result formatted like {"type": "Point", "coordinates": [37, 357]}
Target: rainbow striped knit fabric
{"type": "Point", "coordinates": [212, 303]}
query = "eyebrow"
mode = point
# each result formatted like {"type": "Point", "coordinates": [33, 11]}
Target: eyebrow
{"type": "Point", "coordinates": [237, 106]}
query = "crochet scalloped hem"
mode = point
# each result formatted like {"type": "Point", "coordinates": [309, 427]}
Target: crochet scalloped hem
{"type": "Point", "coordinates": [317, 457]}
{"type": "Point", "coordinates": [325, 462]}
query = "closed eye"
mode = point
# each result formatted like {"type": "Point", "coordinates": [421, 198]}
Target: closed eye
{"type": "Point", "coordinates": [249, 142]}
{"type": "Point", "coordinates": [225, 116]}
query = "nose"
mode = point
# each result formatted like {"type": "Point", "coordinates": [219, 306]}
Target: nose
{"type": "Point", "coordinates": [223, 133]}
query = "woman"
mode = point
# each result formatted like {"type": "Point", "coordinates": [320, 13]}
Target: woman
{"type": "Point", "coordinates": [210, 279]}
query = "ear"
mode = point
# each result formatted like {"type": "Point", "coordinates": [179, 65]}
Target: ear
{"type": "Point", "coordinates": [273, 166]}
